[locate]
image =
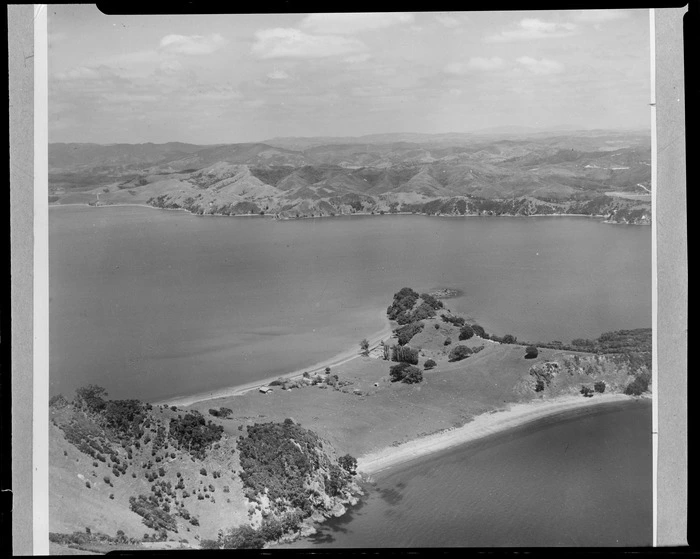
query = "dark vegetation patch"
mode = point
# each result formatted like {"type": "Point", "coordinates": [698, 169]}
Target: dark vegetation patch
{"type": "Point", "coordinates": [403, 372]}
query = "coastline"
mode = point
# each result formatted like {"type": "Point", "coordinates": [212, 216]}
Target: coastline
{"type": "Point", "coordinates": [274, 216]}
{"type": "Point", "coordinates": [481, 426]}
{"type": "Point", "coordinates": [237, 390]}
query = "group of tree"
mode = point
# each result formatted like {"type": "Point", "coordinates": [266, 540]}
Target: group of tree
{"type": "Point", "coordinates": [403, 372]}
{"type": "Point", "coordinates": [406, 333]}
{"type": "Point", "coordinates": [195, 434]}
{"type": "Point", "coordinates": [277, 459]}
{"type": "Point", "coordinates": [404, 354]}
{"type": "Point", "coordinates": [223, 413]}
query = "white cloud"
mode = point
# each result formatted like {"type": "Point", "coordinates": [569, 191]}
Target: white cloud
{"type": "Point", "coordinates": [599, 16]}
{"type": "Point", "coordinates": [533, 28]}
{"type": "Point", "coordinates": [192, 44]}
{"type": "Point", "coordinates": [278, 75]}
{"type": "Point", "coordinates": [475, 64]}
{"type": "Point", "coordinates": [79, 73]}
{"type": "Point", "coordinates": [348, 24]}
{"type": "Point", "coordinates": [357, 58]}
{"type": "Point", "coordinates": [292, 43]}
{"type": "Point", "coordinates": [542, 66]}
{"type": "Point", "coordinates": [451, 21]}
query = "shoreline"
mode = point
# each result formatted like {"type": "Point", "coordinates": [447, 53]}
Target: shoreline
{"type": "Point", "coordinates": [240, 389]}
{"type": "Point", "coordinates": [274, 216]}
{"type": "Point", "coordinates": [483, 425]}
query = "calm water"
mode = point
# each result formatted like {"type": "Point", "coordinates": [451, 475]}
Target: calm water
{"type": "Point", "coordinates": [577, 479]}
{"type": "Point", "coordinates": [154, 304]}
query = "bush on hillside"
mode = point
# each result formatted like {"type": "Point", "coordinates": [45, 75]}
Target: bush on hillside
{"type": "Point", "coordinates": [429, 364]}
{"type": "Point", "coordinates": [509, 339]}
{"type": "Point", "coordinates": [478, 330]}
{"type": "Point", "coordinates": [404, 372]}
{"type": "Point", "coordinates": [639, 385]}
{"type": "Point", "coordinates": [193, 433]}
{"type": "Point", "coordinates": [466, 332]}
{"type": "Point", "coordinates": [531, 352]}
{"type": "Point", "coordinates": [454, 320]}
{"type": "Point", "coordinates": [459, 352]}
{"type": "Point", "coordinates": [599, 386]}
{"type": "Point", "coordinates": [447, 341]}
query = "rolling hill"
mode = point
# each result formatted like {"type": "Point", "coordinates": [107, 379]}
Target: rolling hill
{"type": "Point", "coordinates": [494, 172]}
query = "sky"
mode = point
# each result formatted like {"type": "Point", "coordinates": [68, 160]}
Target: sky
{"type": "Point", "coordinates": [250, 77]}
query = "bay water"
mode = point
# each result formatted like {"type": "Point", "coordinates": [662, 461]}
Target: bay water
{"type": "Point", "coordinates": [578, 478]}
{"type": "Point", "coordinates": [153, 304]}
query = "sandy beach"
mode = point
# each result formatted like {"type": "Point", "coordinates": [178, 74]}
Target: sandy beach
{"type": "Point", "coordinates": [339, 359]}
{"type": "Point", "coordinates": [482, 426]}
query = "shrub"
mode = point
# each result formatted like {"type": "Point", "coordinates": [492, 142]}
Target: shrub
{"type": "Point", "coordinates": [203, 471]}
{"type": "Point", "coordinates": [454, 320]}
{"type": "Point", "coordinates": [586, 391]}
{"type": "Point", "coordinates": [466, 332]}
{"type": "Point", "coordinates": [508, 339]}
{"type": "Point", "coordinates": [404, 372]}
{"type": "Point", "coordinates": [477, 349]}
{"type": "Point", "coordinates": [87, 484]}
{"type": "Point", "coordinates": [429, 364]}
{"type": "Point", "coordinates": [539, 385]}
{"type": "Point", "coordinates": [639, 385]}
{"type": "Point", "coordinates": [194, 433]}
{"type": "Point", "coordinates": [107, 480]}
{"type": "Point", "coordinates": [437, 326]}
{"type": "Point", "coordinates": [328, 370]}
{"type": "Point", "coordinates": [478, 330]}
{"type": "Point", "coordinates": [447, 341]}
{"type": "Point", "coordinates": [531, 352]}
{"type": "Point", "coordinates": [404, 354]}
{"type": "Point", "coordinates": [459, 352]}
{"type": "Point", "coordinates": [111, 496]}
{"type": "Point", "coordinates": [348, 463]}
{"type": "Point", "coordinates": [599, 386]}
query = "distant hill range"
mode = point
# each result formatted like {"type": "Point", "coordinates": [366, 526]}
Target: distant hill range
{"type": "Point", "coordinates": [501, 171]}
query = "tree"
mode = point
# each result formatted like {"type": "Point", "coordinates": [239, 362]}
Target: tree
{"type": "Point", "coordinates": [466, 332]}
{"type": "Point", "coordinates": [599, 386]}
{"type": "Point", "coordinates": [404, 372]}
{"type": "Point", "coordinates": [429, 364]}
{"type": "Point", "coordinates": [364, 346]}
{"type": "Point", "coordinates": [385, 351]}
{"type": "Point", "coordinates": [459, 352]}
{"type": "Point", "coordinates": [586, 391]}
{"type": "Point", "coordinates": [478, 330]}
{"type": "Point", "coordinates": [404, 354]}
{"type": "Point", "coordinates": [508, 339]}
{"type": "Point", "coordinates": [531, 352]}
{"type": "Point", "coordinates": [348, 463]}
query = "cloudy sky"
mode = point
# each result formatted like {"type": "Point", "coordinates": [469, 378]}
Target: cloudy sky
{"type": "Point", "coordinates": [244, 78]}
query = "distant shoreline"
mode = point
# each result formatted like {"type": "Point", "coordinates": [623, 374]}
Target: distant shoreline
{"type": "Point", "coordinates": [483, 425]}
{"type": "Point", "coordinates": [274, 216]}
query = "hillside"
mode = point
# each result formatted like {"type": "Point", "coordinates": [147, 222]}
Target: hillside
{"type": "Point", "coordinates": [599, 173]}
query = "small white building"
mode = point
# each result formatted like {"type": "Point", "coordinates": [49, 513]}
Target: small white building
{"type": "Point", "coordinates": [265, 389]}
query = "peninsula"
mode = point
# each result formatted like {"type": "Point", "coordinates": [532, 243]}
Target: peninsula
{"type": "Point", "coordinates": [242, 468]}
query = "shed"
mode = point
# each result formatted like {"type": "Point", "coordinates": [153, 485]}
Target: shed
{"type": "Point", "coordinates": [265, 389]}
